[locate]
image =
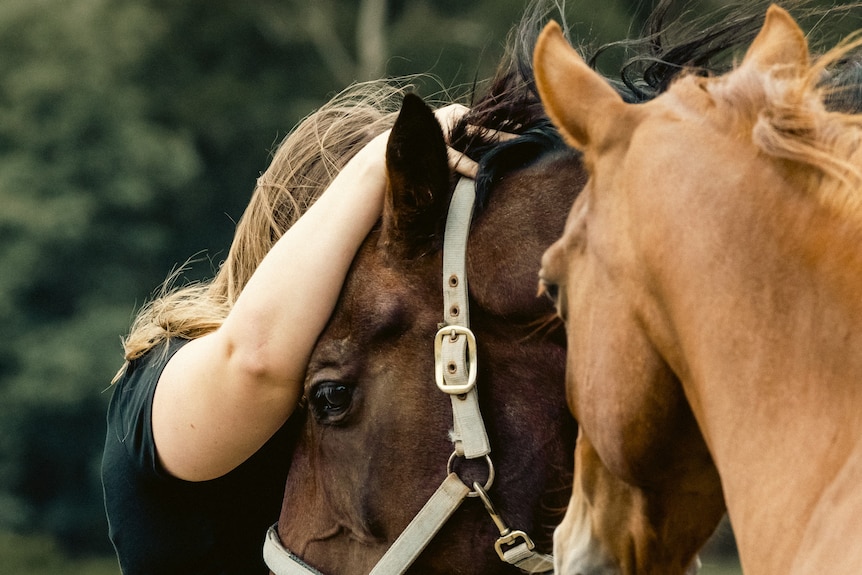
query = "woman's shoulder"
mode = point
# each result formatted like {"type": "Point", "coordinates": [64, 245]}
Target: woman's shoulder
{"type": "Point", "coordinates": [130, 409]}
{"type": "Point", "coordinates": [151, 363]}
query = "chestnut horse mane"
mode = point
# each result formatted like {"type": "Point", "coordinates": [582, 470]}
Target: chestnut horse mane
{"type": "Point", "coordinates": [792, 119]}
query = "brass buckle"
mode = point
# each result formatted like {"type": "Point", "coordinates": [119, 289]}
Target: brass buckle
{"type": "Point", "coordinates": [453, 332]}
{"type": "Point", "coordinates": [509, 539]}
{"type": "Point", "coordinates": [507, 536]}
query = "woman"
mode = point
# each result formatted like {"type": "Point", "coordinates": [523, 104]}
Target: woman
{"type": "Point", "coordinates": [197, 447]}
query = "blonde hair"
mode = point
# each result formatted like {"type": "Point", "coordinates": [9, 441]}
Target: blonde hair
{"type": "Point", "coordinates": [302, 167]}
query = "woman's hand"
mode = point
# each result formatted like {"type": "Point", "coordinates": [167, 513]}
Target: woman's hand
{"type": "Point", "coordinates": [375, 150]}
{"type": "Point", "coordinates": [448, 116]}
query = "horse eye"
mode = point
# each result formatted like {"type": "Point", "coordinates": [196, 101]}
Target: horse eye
{"type": "Point", "coordinates": [330, 399]}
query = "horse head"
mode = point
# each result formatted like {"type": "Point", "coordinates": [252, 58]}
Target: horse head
{"type": "Point", "coordinates": [638, 437]}
{"type": "Point", "coordinates": [376, 440]}
{"type": "Point", "coordinates": [377, 436]}
{"type": "Point", "coordinates": [673, 276]}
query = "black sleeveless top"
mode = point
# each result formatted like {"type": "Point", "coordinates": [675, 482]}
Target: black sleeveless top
{"type": "Point", "coordinates": [161, 524]}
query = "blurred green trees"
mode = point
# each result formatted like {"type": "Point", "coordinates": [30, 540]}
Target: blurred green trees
{"type": "Point", "coordinates": [87, 170]}
{"type": "Point", "coordinates": [131, 134]}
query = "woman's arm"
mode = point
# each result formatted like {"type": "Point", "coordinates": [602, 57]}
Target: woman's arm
{"type": "Point", "coordinates": [222, 396]}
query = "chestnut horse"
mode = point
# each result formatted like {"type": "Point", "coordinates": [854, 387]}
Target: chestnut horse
{"type": "Point", "coordinates": [710, 278]}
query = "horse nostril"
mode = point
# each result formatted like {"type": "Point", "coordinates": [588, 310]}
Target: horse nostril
{"type": "Point", "coordinates": [549, 290]}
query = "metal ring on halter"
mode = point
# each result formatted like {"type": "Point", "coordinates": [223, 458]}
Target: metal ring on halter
{"type": "Point", "coordinates": [488, 482]}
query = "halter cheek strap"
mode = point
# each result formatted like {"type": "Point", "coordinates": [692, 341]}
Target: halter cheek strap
{"type": "Point", "coordinates": [455, 366]}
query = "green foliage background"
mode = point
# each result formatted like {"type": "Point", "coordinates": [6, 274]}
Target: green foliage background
{"type": "Point", "coordinates": [131, 134]}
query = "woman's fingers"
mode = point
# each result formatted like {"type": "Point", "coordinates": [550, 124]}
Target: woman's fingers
{"type": "Point", "coordinates": [449, 115]}
{"type": "Point", "coordinates": [462, 164]}
{"type": "Point", "coordinates": [493, 135]}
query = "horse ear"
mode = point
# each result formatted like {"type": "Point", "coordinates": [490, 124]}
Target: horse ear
{"type": "Point", "coordinates": [780, 43]}
{"type": "Point", "coordinates": [417, 166]}
{"type": "Point", "coordinates": [576, 98]}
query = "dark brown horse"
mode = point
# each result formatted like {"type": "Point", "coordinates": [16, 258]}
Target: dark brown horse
{"type": "Point", "coordinates": [376, 439]}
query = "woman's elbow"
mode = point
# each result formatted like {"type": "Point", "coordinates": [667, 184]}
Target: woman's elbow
{"type": "Point", "coordinates": [262, 364]}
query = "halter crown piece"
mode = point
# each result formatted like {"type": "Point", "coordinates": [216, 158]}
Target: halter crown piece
{"type": "Point", "coordinates": [455, 368]}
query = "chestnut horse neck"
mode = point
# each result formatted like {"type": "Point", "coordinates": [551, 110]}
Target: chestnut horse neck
{"type": "Point", "coordinates": [766, 342]}
{"type": "Point", "coordinates": [761, 317]}
{"type": "Point", "coordinates": [758, 312]}
{"type": "Point", "coordinates": [456, 364]}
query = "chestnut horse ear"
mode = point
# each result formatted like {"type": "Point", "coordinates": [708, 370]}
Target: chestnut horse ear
{"type": "Point", "coordinates": [780, 43]}
{"type": "Point", "coordinates": [417, 167]}
{"type": "Point", "coordinates": [582, 105]}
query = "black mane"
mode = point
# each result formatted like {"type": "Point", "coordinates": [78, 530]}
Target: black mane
{"type": "Point", "coordinates": [510, 104]}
